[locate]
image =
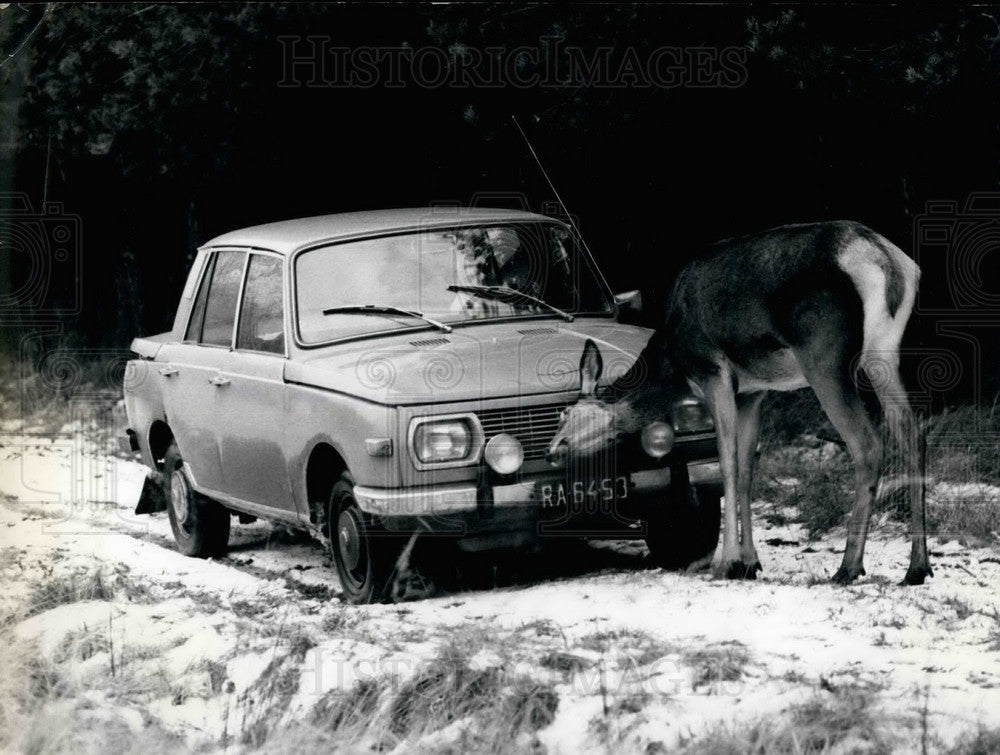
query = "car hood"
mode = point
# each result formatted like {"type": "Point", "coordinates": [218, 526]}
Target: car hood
{"type": "Point", "coordinates": [472, 362]}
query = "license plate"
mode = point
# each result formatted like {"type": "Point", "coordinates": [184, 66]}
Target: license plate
{"type": "Point", "coordinates": [580, 496]}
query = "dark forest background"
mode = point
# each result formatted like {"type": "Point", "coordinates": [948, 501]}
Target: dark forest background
{"type": "Point", "coordinates": [160, 126]}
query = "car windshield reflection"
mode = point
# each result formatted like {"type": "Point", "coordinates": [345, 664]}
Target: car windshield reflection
{"type": "Point", "coordinates": [447, 276]}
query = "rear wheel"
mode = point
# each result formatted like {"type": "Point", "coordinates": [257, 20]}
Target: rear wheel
{"type": "Point", "coordinates": [686, 530]}
{"type": "Point", "coordinates": [365, 556]}
{"type": "Point", "coordinates": [200, 525]}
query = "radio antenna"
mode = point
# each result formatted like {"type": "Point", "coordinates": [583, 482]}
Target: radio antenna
{"type": "Point", "coordinates": [548, 180]}
{"type": "Point", "coordinates": [569, 218]}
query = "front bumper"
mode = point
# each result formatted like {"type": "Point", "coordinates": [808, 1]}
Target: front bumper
{"type": "Point", "coordinates": [453, 499]}
{"type": "Point", "coordinates": [706, 473]}
{"type": "Point", "coordinates": [469, 508]}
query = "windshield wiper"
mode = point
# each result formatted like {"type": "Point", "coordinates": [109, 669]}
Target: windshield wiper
{"type": "Point", "coordinates": [380, 309]}
{"type": "Point", "coordinates": [504, 292]}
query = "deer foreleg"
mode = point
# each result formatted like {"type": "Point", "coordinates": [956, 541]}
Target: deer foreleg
{"type": "Point", "coordinates": [747, 432]}
{"type": "Point", "coordinates": [721, 399]}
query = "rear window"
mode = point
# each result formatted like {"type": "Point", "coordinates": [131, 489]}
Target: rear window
{"type": "Point", "coordinates": [262, 324]}
{"type": "Point", "coordinates": [214, 313]}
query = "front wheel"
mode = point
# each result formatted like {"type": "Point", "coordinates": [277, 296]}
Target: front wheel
{"type": "Point", "coordinates": [686, 531]}
{"type": "Point", "coordinates": [200, 525]}
{"type": "Point", "coordinates": [365, 556]}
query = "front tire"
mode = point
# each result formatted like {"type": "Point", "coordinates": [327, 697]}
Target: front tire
{"type": "Point", "coordinates": [365, 556]}
{"type": "Point", "coordinates": [686, 531]}
{"type": "Point", "coordinates": [200, 525]}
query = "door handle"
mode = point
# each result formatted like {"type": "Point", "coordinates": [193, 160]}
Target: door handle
{"type": "Point", "coordinates": [168, 371]}
{"type": "Point", "coordinates": [219, 380]}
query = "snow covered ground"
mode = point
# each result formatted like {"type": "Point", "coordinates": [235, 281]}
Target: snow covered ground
{"type": "Point", "coordinates": [111, 639]}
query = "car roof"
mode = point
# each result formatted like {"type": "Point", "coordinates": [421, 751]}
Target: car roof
{"type": "Point", "coordinates": [287, 236]}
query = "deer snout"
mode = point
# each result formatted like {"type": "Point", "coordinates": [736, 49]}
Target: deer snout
{"type": "Point", "coordinates": [556, 453]}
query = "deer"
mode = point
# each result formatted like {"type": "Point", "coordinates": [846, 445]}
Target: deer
{"type": "Point", "coordinates": [803, 305]}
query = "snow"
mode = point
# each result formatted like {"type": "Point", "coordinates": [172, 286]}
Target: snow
{"type": "Point", "coordinates": [192, 647]}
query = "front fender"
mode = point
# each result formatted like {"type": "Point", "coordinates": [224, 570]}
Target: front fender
{"type": "Point", "coordinates": [316, 416]}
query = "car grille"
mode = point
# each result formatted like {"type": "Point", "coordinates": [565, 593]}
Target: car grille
{"type": "Point", "coordinates": [534, 426]}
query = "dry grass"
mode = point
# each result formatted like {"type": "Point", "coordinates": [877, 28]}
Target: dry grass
{"type": "Point", "coordinates": [96, 688]}
{"type": "Point", "coordinates": [41, 393]}
{"type": "Point", "coordinates": [62, 589]}
{"type": "Point", "coordinates": [804, 464]}
{"type": "Point", "coordinates": [348, 710]}
{"type": "Point", "coordinates": [962, 444]}
{"type": "Point", "coordinates": [973, 519]}
{"type": "Point", "coordinates": [717, 667]}
{"type": "Point", "coordinates": [95, 584]}
{"type": "Point", "coordinates": [603, 640]}
{"type": "Point", "coordinates": [564, 662]}
{"type": "Point", "coordinates": [980, 742]}
{"type": "Point", "coordinates": [444, 691]}
{"type": "Point", "coordinates": [265, 703]}
{"type": "Point", "coordinates": [818, 485]}
{"type": "Point", "coordinates": [44, 706]}
{"type": "Point", "coordinates": [447, 704]}
{"type": "Point", "coordinates": [838, 722]}
{"type": "Point", "coordinates": [64, 728]}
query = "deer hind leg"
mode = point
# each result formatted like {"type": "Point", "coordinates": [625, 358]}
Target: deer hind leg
{"type": "Point", "coordinates": [882, 369]}
{"type": "Point", "coordinates": [721, 398]}
{"type": "Point", "coordinates": [747, 432]}
{"type": "Point", "coordinates": [830, 377]}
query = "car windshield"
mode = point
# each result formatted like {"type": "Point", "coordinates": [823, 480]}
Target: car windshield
{"type": "Point", "coordinates": [451, 276]}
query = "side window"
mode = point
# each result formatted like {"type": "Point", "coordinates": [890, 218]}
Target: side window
{"type": "Point", "coordinates": [262, 325]}
{"type": "Point", "coordinates": [197, 319]}
{"type": "Point", "coordinates": [223, 293]}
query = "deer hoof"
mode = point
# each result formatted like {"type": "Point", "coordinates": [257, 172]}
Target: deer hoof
{"type": "Point", "coordinates": [702, 564]}
{"type": "Point", "coordinates": [845, 576]}
{"type": "Point", "coordinates": [738, 570]}
{"type": "Point", "coordinates": [915, 575]}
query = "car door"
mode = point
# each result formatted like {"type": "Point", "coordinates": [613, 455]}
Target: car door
{"type": "Point", "coordinates": [250, 402]}
{"type": "Point", "coordinates": [191, 370]}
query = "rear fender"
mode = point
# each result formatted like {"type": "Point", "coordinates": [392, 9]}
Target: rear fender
{"type": "Point", "coordinates": [150, 346]}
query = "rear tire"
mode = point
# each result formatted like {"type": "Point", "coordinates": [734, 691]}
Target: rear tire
{"type": "Point", "coordinates": [365, 556]}
{"type": "Point", "coordinates": [686, 531]}
{"type": "Point", "coordinates": [200, 525]}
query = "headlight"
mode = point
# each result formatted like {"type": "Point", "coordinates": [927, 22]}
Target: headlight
{"type": "Point", "coordinates": [504, 453]}
{"type": "Point", "coordinates": [689, 415]}
{"type": "Point", "coordinates": [657, 439]}
{"type": "Point", "coordinates": [443, 441]}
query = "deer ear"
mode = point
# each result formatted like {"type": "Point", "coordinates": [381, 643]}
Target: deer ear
{"type": "Point", "coordinates": [591, 366]}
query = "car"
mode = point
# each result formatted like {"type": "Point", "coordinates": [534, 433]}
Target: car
{"type": "Point", "coordinates": [374, 376]}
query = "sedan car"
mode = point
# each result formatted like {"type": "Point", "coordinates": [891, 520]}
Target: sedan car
{"type": "Point", "coordinates": [373, 377]}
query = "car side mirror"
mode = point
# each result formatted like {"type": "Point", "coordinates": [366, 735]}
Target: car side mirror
{"type": "Point", "coordinates": [629, 306]}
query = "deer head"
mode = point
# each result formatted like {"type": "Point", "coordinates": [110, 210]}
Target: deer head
{"type": "Point", "coordinates": [590, 424]}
